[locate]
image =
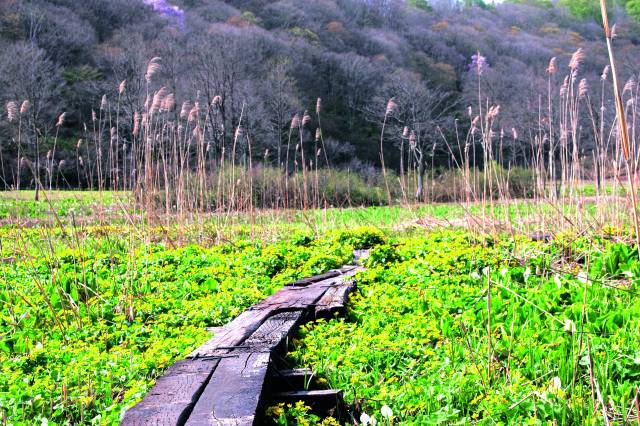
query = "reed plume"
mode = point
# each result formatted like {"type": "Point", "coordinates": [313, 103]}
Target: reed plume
{"type": "Point", "coordinates": [193, 114]}
{"type": "Point", "coordinates": [552, 69]}
{"type": "Point", "coordinates": [576, 59]}
{"type": "Point", "coordinates": [184, 111]}
{"type": "Point", "coordinates": [61, 119]}
{"type": "Point", "coordinates": [391, 106]}
{"type": "Point", "coordinates": [136, 123]}
{"type": "Point", "coordinates": [24, 107]}
{"type": "Point", "coordinates": [168, 103]}
{"type": "Point", "coordinates": [295, 121]}
{"type": "Point", "coordinates": [12, 111]}
{"type": "Point", "coordinates": [153, 67]}
{"type": "Point", "coordinates": [629, 85]}
{"type": "Point", "coordinates": [158, 98]}
{"type": "Point", "coordinates": [583, 88]}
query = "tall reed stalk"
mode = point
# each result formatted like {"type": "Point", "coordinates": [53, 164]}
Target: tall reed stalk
{"type": "Point", "coordinates": [623, 131]}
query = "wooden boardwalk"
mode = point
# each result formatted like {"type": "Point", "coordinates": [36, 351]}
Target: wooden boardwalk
{"type": "Point", "coordinates": [228, 380]}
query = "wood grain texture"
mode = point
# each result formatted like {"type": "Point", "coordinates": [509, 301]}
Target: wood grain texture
{"type": "Point", "coordinates": [233, 394]}
{"type": "Point", "coordinates": [303, 297]}
{"type": "Point", "coordinates": [273, 333]}
{"type": "Point", "coordinates": [313, 395]}
{"type": "Point", "coordinates": [292, 380]}
{"type": "Point", "coordinates": [173, 396]}
{"type": "Point", "coordinates": [221, 382]}
{"type": "Point", "coordinates": [334, 300]}
{"type": "Point", "coordinates": [233, 334]}
{"type": "Point", "coordinates": [292, 298]}
{"type": "Point", "coordinates": [327, 275]}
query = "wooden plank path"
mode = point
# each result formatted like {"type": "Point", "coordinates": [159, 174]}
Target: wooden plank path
{"type": "Point", "coordinates": [227, 380]}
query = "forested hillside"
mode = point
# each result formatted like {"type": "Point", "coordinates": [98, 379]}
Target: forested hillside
{"type": "Point", "coordinates": [266, 61]}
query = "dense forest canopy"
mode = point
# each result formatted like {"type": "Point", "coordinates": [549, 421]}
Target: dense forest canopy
{"type": "Point", "coordinates": [269, 60]}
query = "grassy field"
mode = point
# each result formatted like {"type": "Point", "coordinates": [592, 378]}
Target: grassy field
{"type": "Point", "coordinates": [21, 204]}
{"type": "Point", "coordinates": [451, 324]}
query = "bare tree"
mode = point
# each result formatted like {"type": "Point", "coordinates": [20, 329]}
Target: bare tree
{"type": "Point", "coordinates": [27, 74]}
{"type": "Point", "coordinates": [421, 110]}
{"type": "Point", "coordinates": [281, 101]}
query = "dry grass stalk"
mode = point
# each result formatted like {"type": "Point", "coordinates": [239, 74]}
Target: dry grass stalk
{"type": "Point", "coordinates": [391, 106]}
{"type": "Point", "coordinates": [622, 121]}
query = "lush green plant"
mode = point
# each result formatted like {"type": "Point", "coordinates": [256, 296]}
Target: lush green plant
{"type": "Point", "coordinates": [88, 319]}
{"type": "Point", "coordinates": [297, 414]}
{"type": "Point", "coordinates": [416, 337]}
{"type": "Point", "coordinates": [85, 331]}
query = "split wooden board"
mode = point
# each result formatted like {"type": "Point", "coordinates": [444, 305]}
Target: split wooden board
{"type": "Point", "coordinates": [221, 383]}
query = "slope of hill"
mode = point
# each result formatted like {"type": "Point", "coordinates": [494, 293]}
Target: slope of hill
{"type": "Point", "coordinates": [274, 59]}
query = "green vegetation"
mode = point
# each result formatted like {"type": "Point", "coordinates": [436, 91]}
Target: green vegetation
{"type": "Point", "coordinates": [417, 335]}
{"type": "Point", "coordinates": [420, 4]}
{"type": "Point", "coordinates": [539, 3]}
{"type": "Point", "coordinates": [89, 319]}
{"type": "Point", "coordinates": [582, 8]}
{"type": "Point", "coordinates": [633, 8]}
{"type": "Point", "coordinates": [297, 414]}
{"type": "Point", "coordinates": [85, 331]}
{"type": "Point", "coordinates": [21, 204]}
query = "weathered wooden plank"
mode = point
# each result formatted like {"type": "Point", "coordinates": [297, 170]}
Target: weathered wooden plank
{"type": "Point", "coordinates": [334, 300]}
{"type": "Point", "coordinates": [221, 382]}
{"type": "Point", "coordinates": [300, 297]}
{"type": "Point", "coordinates": [173, 396]}
{"type": "Point", "coordinates": [314, 395]}
{"type": "Point", "coordinates": [274, 331]}
{"type": "Point", "coordinates": [215, 330]}
{"type": "Point", "coordinates": [292, 380]}
{"type": "Point", "coordinates": [295, 297]}
{"type": "Point", "coordinates": [321, 277]}
{"type": "Point", "coordinates": [233, 334]}
{"type": "Point", "coordinates": [303, 297]}
{"type": "Point", "coordinates": [233, 395]}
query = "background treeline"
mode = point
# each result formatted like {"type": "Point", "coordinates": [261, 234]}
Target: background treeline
{"type": "Point", "coordinates": [265, 61]}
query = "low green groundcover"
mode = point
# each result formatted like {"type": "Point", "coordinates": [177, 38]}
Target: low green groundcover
{"type": "Point", "coordinates": [417, 339]}
{"type": "Point", "coordinates": [85, 332]}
